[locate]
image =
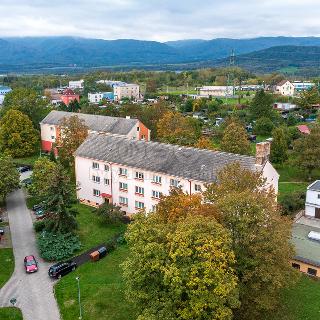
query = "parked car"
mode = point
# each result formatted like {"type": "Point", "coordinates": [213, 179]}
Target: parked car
{"type": "Point", "coordinates": [30, 264]}
{"type": "Point", "coordinates": [23, 169]}
{"type": "Point", "coordinates": [39, 206]}
{"type": "Point", "coordinates": [61, 268]}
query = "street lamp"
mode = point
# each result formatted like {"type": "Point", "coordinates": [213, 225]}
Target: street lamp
{"type": "Point", "coordinates": [79, 297]}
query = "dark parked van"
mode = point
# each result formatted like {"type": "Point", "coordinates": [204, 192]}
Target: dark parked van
{"type": "Point", "coordinates": [62, 268]}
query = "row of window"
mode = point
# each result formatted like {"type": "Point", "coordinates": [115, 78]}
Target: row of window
{"type": "Point", "coordinates": [140, 176]}
{"type": "Point", "coordinates": [311, 271]}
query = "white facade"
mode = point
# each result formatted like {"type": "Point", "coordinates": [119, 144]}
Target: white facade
{"type": "Point", "coordinates": [95, 97]}
{"type": "Point", "coordinates": [132, 189]}
{"type": "Point", "coordinates": [215, 91]}
{"type": "Point", "coordinates": [285, 88]}
{"type": "Point", "coordinates": [76, 84]}
{"type": "Point", "coordinates": [313, 200]}
{"type": "Point", "coordinates": [131, 91]}
{"type": "Point", "coordinates": [302, 86]}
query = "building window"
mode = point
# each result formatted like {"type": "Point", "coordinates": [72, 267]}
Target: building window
{"type": "Point", "coordinates": [156, 179]}
{"type": "Point", "coordinates": [123, 186]}
{"type": "Point", "coordinates": [123, 201]}
{"type": "Point", "coordinates": [106, 181]}
{"type": "Point", "coordinates": [156, 194]}
{"type": "Point", "coordinates": [197, 187]}
{"type": "Point", "coordinates": [52, 137]}
{"type": "Point", "coordinates": [296, 265]}
{"type": "Point", "coordinates": [143, 137]}
{"type": "Point", "coordinates": [123, 172]}
{"type": "Point", "coordinates": [154, 208]}
{"type": "Point", "coordinates": [106, 167]}
{"type": "Point", "coordinates": [95, 165]}
{"type": "Point", "coordinates": [312, 272]}
{"type": "Point", "coordinates": [96, 179]}
{"type": "Point", "coordinates": [96, 193]}
{"type": "Point", "coordinates": [138, 129]}
{"type": "Point", "coordinates": [318, 195]}
{"type": "Point", "coordinates": [52, 128]}
{"type": "Point", "coordinates": [139, 175]}
{"type": "Point", "coordinates": [139, 205]}
{"type": "Point", "coordinates": [174, 183]}
{"type": "Point", "coordinates": [139, 190]}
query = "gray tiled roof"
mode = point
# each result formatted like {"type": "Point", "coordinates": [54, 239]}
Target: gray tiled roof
{"type": "Point", "coordinates": [97, 123]}
{"type": "Point", "coordinates": [190, 163]}
{"type": "Point", "coordinates": [315, 186]}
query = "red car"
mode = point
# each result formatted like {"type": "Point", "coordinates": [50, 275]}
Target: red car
{"type": "Point", "coordinates": [30, 264]}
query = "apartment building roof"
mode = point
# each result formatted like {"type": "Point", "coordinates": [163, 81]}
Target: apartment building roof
{"type": "Point", "coordinates": [185, 162]}
{"type": "Point", "coordinates": [96, 123]}
{"type": "Point", "coordinates": [315, 186]}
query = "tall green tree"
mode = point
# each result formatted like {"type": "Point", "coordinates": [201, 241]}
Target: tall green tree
{"type": "Point", "coordinates": [9, 176]}
{"type": "Point", "coordinates": [306, 151]}
{"type": "Point", "coordinates": [180, 263]}
{"type": "Point", "coordinates": [279, 146]}
{"type": "Point", "coordinates": [261, 105]}
{"type": "Point", "coordinates": [260, 238]}
{"type": "Point", "coordinates": [28, 102]}
{"type": "Point", "coordinates": [235, 139]}
{"type": "Point", "coordinates": [263, 126]}
{"type": "Point", "coordinates": [308, 98]}
{"type": "Point", "coordinates": [17, 134]}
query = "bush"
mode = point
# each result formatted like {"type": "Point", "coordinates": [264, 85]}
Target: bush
{"type": "Point", "coordinates": [293, 202]}
{"type": "Point", "coordinates": [39, 226]}
{"type": "Point", "coordinates": [57, 246]}
{"type": "Point", "coordinates": [263, 126]}
{"type": "Point", "coordinates": [111, 214]}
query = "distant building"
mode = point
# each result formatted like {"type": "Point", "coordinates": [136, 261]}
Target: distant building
{"type": "Point", "coordinates": [79, 84]}
{"type": "Point", "coordinates": [313, 200]}
{"type": "Point", "coordinates": [304, 129]}
{"type": "Point", "coordinates": [99, 96]}
{"type": "Point", "coordinates": [111, 83]}
{"type": "Point", "coordinates": [302, 86]}
{"type": "Point", "coordinates": [3, 91]}
{"type": "Point", "coordinates": [130, 91]}
{"type": "Point", "coordinates": [282, 106]}
{"type": "Point", "coordinates": [215, 91]}
{"type": "Point", "coordinates": [68, 96]}
{"type": "Point", "coordinates": [50, 127]}
{"type": "Point", "coordinates": [285, 88]}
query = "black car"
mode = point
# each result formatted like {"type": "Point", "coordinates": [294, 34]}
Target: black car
{"type": "Point", "coordinates": [39, 206]}
{"type": "Point", "coordinates": [26, 182]}
{"type": "Point", "coordinates": [23, 169]}
{"type": "Point", "coordinates": [61, 268]}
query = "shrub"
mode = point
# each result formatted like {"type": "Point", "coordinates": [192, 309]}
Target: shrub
{"type": "Point", "coordinates": [111, 214]}
{"type": "Point", "coordinates": [263, 126]}
{"type": "Point", "coordinates": [57, 246]}
{"type": "Point", "coordinates": [293, 202]}
{"type": "Point", "coordinates": [39, 226]}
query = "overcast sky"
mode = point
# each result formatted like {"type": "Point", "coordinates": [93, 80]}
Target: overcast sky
{"type": "Point", "coordinates": [160, 20]}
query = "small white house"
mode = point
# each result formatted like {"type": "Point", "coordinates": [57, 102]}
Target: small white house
{"type": "Point", "coordinates": [78, 84]}
{"type": "Point", "coordinates": [313, 200]}
{"type": "Point", "coordinates": [285, 88]}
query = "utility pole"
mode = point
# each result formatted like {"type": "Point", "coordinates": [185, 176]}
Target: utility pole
{"type": "Point", "coordinates": [232, 61]}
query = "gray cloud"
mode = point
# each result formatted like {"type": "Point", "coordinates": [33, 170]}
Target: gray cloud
{"type": "Point", "coordinates": [159, 20]}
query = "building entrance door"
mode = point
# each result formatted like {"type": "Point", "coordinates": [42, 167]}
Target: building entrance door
{"type": "Point", "coordinates": [317, 213]}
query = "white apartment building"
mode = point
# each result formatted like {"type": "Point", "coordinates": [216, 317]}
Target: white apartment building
{"type": "Point", "coordinates": [78, 84]}
{"type": "Point", "coordinates": [285, 88]}
{"type": "Point", "coordinates": [99, 96]}
{"type": "Point", "coordinates": [134, 174]}
{"type": "Point", "coordinates": [50, 126]}
{"type": "Point", "coordinates": [313, 200]}
{"type": "Point", "coordinates": [111, 83]}
{"type": "Point", "coordinates": [215, 91]}
{"type": "Point", "coordinates": [131, 91]}
{"type": "Point", "coordinates": [302, 85]}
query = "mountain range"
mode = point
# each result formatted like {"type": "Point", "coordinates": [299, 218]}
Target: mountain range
{"type": "Point", "coordinates": [50, 54]}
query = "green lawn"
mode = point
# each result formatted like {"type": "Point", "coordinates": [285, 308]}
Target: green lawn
{"type": "Point", "coordinates": [10, 313]}
{"type": "Point", "coordinates": [102, 290]}
{"type": "Point", "coordinates": [27, 160]}
{"type": "Point", "coordinates": [6, 266]}
{"type": "Point", "coordinates": [301, 302]}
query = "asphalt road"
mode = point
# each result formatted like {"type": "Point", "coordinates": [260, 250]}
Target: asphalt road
{"type": "Point", "coordinates": [33, 292]}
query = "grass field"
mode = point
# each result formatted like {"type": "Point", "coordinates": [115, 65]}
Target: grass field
{"type": "Point", "coordinates": [26, 161]}
{"type": "Point", "coordinates": [10, 314]}
{"type": "Point", "coordinates": [6, 265]}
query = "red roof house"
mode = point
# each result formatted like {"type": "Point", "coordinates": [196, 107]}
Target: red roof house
{"type": "Point", "coordinates": [68, 96]}
{"type": "Point", "coordinates": [303, 129]}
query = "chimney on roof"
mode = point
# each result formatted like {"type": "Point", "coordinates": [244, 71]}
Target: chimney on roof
{"type": "Point", "coordinates": [262, 152]}
{"type": "Point", "coordinates": [127, 117]}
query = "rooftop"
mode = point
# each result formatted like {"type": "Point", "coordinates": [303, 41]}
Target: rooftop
{"type": "Point", "coordinates": [315, 186]}
{"type": "Point", "coordinates": [307, 250]}
{"type": "Point", "coordinates": [96, 123]}
{"type": "Point", "coordinates": [185, 162]}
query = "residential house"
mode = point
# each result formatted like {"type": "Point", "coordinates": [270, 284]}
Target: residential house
{"type": "Point", "coordinates": [99, 96]}
{"type": "Point", "coordinates": [78, 84]}
{"type": "Point", "coordinates": [135, 174]}
{"type": "Point", "coordinates": [111, 83]}
{"type": "Point", "coordinates": [283, 106]}
{"type": "Point", "coordinates": [50, 126]}
{"type": "Point", "coordinates": [130, 91]}
{"type": "Point", "coordinates": [285, 88]}
{"type": "Point", "coordinates": [215, 91]}
{"type": "Point", "coordinates": [68, 96]}
{"type": "Point", "coordinates": [3, 91]}
{"type": "Point", "coordinates": [304, 129]}
{"type": "Point", "coordinates": [313, 200]}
